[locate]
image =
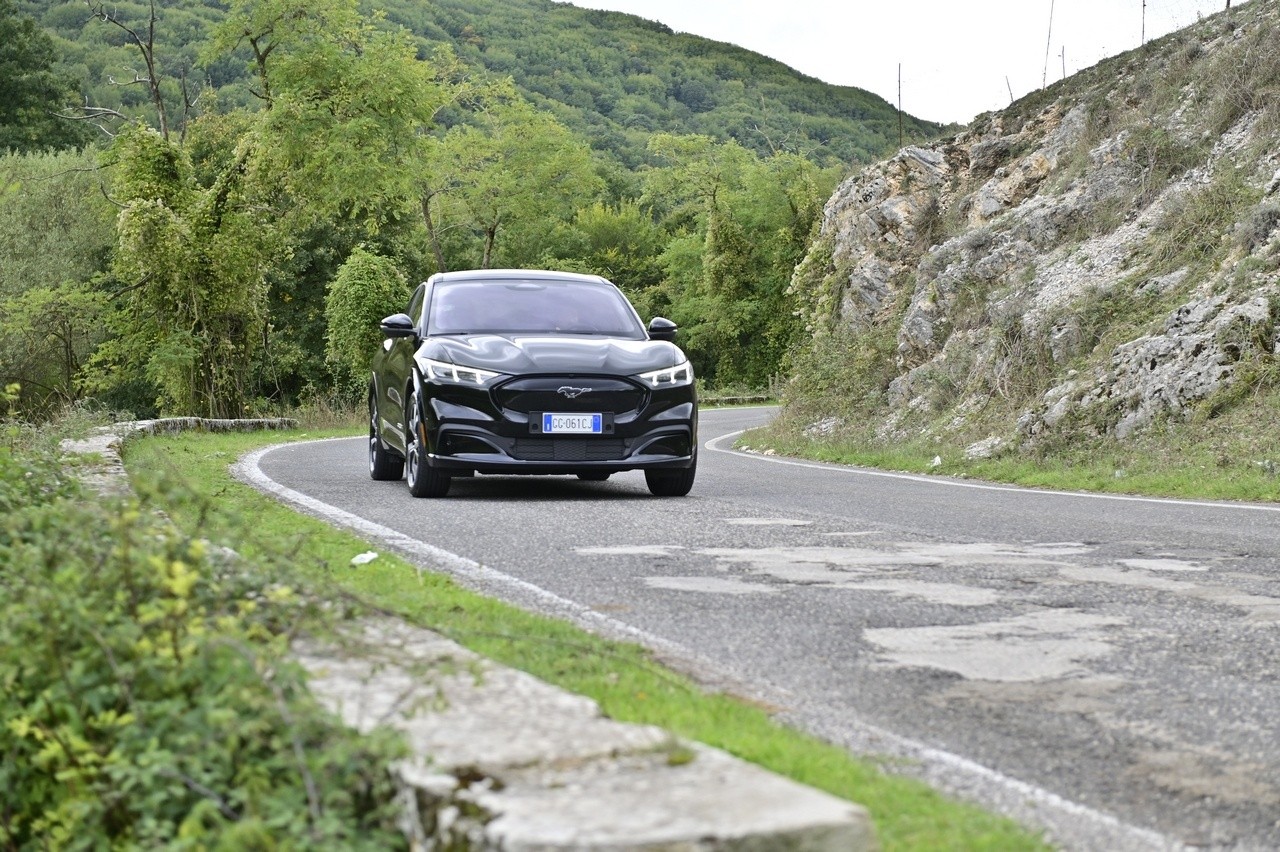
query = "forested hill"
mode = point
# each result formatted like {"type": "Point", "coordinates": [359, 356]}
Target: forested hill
{"type": "Point", "coordinates": [614, 78]}
{"type": "Point", "coordinates": [622, 77]}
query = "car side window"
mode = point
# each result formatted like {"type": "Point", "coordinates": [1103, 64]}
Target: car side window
{"type": "Point", "coordinates": [415, 304]}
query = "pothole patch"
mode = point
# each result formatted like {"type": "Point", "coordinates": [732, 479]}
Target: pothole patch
{"type": "Point", "coordinates": [1038, 646]}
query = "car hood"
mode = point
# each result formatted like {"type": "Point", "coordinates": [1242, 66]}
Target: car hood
{"type": "Point", "coordinates": [524, 354]}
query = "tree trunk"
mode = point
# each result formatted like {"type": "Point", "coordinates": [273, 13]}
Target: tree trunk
{"type": "Point", "coordinates": [432, 233]}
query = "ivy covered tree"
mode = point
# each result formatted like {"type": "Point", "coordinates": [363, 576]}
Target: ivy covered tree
{"type": "Point", "coordinates": [366, 289]}
{"type": "Point", "coordinates": [193, 259]}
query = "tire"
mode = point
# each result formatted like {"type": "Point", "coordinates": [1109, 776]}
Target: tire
{"type": "Point", "coordinates": [671, 483]}
{"type": "Point", "coordinates": [593, 477]}
{"type": "Point", "coordinates": [422, 479]}
{"type": "Point", "coordinates": [383, 466]}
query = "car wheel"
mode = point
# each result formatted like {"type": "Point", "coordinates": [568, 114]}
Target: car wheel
{"type": "Point", "coordinates": [383, 466]}
{"type": "Point", "coordinates": [671, 483]}
{"type": "Point", "coordinates": [423, 480]}
{"type": "Point", "coordinates": [593, 477]}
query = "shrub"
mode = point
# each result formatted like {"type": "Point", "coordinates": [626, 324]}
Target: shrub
{"type": "Point", "coordinates": [367, 288]}
{"type": "Point", "coordinates": [146, 696]}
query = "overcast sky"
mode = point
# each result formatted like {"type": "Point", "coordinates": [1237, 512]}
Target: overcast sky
{"type": "Point", "coordinates": [956, 56]}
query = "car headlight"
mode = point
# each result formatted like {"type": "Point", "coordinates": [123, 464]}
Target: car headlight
{"type": "Point", "coordinates": [669, 377]}
{"type": "Point", "coordinates": [443, 371]}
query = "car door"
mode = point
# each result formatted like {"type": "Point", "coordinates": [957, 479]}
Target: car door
{"type": "Point", "coordinates": [393, 374]}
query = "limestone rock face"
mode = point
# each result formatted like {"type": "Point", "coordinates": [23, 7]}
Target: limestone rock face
{"type": "Point", "coordinates": [1116, 247]}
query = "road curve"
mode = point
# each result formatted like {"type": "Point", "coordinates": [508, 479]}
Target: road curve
{"type": "Point", "coordinates": [1104, 667]}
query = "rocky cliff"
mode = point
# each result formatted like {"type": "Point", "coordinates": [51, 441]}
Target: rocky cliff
{"type": "Point", "coordinates": [1099, 257]}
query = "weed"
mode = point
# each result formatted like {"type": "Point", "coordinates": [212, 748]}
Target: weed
{"type": "Point", "coordinates": [1195, 229]}
{"type": "Point", "coordinates": [1257, 229]}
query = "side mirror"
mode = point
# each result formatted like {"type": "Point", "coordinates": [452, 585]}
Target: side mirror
{"type": "Point", "coordinates": [398, 325]}
{"type": "Point", "coordinates": [662, 328]}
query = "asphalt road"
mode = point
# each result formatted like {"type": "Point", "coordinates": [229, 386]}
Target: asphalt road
{"type": "Point", "coordinates": [1106, 668]}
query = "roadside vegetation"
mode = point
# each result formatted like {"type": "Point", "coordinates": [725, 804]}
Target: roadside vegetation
{"type": "Point", "coordinates": [146, 699]}
{"type": "Point", "coordinates": [1226, 450]}
{"type": "Point", "coordinates": [188, 477]}
{"type": "Point", "coordinates": [1233, 457]}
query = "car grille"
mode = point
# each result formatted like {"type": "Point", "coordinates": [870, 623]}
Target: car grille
{"type": "Point", "coordinates": [551, 393]}
{"type": "Point", "coordinates": [568, 449]}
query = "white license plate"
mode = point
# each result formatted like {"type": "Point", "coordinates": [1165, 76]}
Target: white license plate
{"type": "Point", "coordinates": [572, 424]}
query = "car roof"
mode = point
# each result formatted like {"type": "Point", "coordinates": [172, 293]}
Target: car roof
{"type": "Point", "coordinates": [515, 274]}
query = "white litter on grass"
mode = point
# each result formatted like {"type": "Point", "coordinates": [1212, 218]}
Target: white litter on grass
{"type": "Point", "coordinates": [364, 558]}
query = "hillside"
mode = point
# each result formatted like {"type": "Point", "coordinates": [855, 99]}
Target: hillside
{"type": "Point", "coordinates": [1094, 264]}
{"type": "Point", "coordinates": [611, 77]}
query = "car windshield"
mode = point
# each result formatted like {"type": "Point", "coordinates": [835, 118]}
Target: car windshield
{"type": "Point", "coordinates": [529, 306]}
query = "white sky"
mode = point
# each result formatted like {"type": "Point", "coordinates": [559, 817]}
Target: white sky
{"type": "Point", "coordinates": [955, 55]}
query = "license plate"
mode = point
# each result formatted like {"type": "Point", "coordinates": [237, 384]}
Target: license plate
{"type": "Point", "coordinates": [572, 424]}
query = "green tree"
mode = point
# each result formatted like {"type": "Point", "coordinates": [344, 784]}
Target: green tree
{"type": "Point", "coordinates": [31, 93]}
{"type": "Point", "coordinates": [46, 336]}
{"type": "Point", "coordinates": [348, 107]}
{"type": "Point", "coordinates": [620, 241]}
{"type": "Point", "coordinates": [56, 234]}
{"type": "Point", "coordinates": [510, 168]}
{"type": "Point", "coordinates": [193, 259]}
{"type": "Point", "coordinates": [366, 289]}
{"type": "Point", "coordinates": [335, 155]}
{"type": "Point", "coordinates": [744, 222]}
{"type": "Point", "coordinates": [56, 225]}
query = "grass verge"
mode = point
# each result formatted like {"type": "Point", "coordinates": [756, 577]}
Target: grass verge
{"type": "Point", "coordinates": [1229, 454]}
{"type": "Point", "coordinates": [188, 476]}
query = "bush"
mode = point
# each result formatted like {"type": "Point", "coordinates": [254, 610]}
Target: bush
{"type": "Point", "coordinates": [367, 288]}
{"type": "Point", "coordinates": [147, 698]}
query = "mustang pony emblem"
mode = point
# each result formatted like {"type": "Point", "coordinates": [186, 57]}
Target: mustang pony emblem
{"type": "Point", "coordinates": [571, 392]}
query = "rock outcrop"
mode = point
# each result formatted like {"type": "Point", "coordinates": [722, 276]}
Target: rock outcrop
{"type": "Point", "coordinates": [1099, 256]}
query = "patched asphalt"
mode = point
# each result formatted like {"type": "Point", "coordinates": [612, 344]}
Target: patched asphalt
{"type": "Point", "coordinates": [1104, 668]}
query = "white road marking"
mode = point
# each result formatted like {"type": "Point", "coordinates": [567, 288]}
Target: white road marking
{"type": "Point", "coordinates": [713, 446]}
{"type": "Point", "coordinates": [945, 769]}
{"type": "Point", "coordinates": [767, 522]}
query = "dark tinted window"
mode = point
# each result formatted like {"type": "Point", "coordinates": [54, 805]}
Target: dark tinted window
{"type": "Point", "coordinates": [415, 303]}
{"type": "Point", "coordinates": [531, 307]}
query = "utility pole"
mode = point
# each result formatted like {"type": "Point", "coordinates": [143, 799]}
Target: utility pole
{"type": "Point", "coordinates": [899, 106]}
{"type": "Point", "coordinates": [1048, 40]}
{"type": "Point", "coordinates": [1144, 21]}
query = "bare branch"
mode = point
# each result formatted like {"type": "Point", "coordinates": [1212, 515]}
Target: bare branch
{"type": "Point", "coordinates": [112, 202]}
{"type": "Point", "coordinates": [146, 46]}
{"type": "Point", "coordinates": [97, 116]}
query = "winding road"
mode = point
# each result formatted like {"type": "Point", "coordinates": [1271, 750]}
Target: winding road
{"type": "Point", "coordinates": [1106, 668]}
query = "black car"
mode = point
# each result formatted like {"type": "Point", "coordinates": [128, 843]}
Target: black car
{"type": "Point", "coordinates": [529, 372]}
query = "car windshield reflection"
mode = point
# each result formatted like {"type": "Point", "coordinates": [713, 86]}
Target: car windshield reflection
{"type": "Point", "coordinates": [523, 307]}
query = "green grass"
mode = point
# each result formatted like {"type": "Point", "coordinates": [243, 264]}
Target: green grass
{"type": "Point", "coordinates": [1233, 454]}
{"type": "Point", "coordinates": [188, 476]}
